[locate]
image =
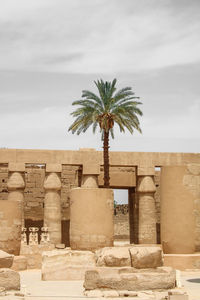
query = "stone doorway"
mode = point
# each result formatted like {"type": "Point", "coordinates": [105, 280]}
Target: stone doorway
{"type": "Point", "coordinates": [121, 215]}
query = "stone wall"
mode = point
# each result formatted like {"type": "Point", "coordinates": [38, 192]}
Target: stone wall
{"type": "Point", "coordinates": [3, 182]}
{"type": "Point", "coordinates": [121, 222]}
{"type": "Point", "coordinates": [34, 191]}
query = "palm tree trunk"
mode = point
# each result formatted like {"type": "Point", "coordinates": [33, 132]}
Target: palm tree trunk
{"type": "Point", "coordinates": [106, 159]}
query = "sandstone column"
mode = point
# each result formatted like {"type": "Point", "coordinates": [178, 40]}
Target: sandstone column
{"type": "Point", "coordinates": [91, 213]}
{"type": "Point", "coordinates": [147, 213]}
{"type": "Point", "coordinates": [11, 216]}
{"type": "Point", "coordinates": [177, 210]}
{"type": "Point", "coordinates": [52, 202]}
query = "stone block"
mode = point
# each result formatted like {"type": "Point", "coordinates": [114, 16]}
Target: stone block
{"type": "Point", "coordinates": [146, 170]}
{"type": "Point", "coordinates": [57, 168]}
{"type": "Point", "coordinates": [178, 297]}
{"type": "Point", "coordinates": [33, 253]}
{"type": "Point", "coordinates": [9, 279]}
{"type": "Point", "coordinates": [16, 167]}
{"type": "Point", "coordinates": [91, 169]}
{"type": "Point", "coordinates": [6, 260]}
{"type": "Point", "coordinates": [66, 264]}
{"type": "Point", "coordinates": [130, 279]}
{"type": "Point", "coordinates": [113, 257]}
{"type": "Point", "coordinates": [146, 257]}
{"type": "Point", "coordinates": [19, 263]}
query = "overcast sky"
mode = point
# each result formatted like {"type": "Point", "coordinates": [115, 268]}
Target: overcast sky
{"type": "Point", "coordinates": [50, 50]}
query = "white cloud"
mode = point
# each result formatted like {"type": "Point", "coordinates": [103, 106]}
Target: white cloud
{"type": "Point", "coordinates": [97, 36]}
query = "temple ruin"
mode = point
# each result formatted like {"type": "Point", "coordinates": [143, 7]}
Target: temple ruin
{"type": "Point", "coordinates": [56, 216]}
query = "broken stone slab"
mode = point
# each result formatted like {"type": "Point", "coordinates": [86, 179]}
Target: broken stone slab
{"type": "Point", "coordinates": [33, 253]}
{"type": "Point", "coordinates": [113, 257]}
{"type": "Point", "coordinates": [6, 259]}
{"type": "Point", "coordinates": [146, 257]}
{"type": "Point", "coordinates": [177, 294]}
{"type": "Point", "coordinates": [178, 297]}
{"type": "Point", "coordinates": [93, 294]}
{"type": "Point", "coordinates": [130, 279]}
{"type": "Point", "coordinates": [19, 263]}
{"type": "Point", "coordinates": [65, 273]}
{"type": "Point", "coordinates": [9, 279]}
{"type": "Point", "coordinates": [66, 264]}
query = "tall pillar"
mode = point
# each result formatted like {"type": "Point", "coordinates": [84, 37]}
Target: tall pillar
{"type": "Point", "coordinates": [147, 212]}
{"type": "Point", "coordinates": [11, 217]}
{"type": "Point", "coordinates": [133, 215]}
{"type": "Point", "coordinates": [52, 202]}
{"type": "Point", "coordinates": [177, 209]}
{"type": "Point", "coordinates": [91, 213]}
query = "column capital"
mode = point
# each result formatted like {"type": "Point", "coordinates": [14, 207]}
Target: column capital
{"type": "Point", "coordinates": [52, 182]}
{"type": "Point", "coordinates": [146, 184]}
{"type": "Point", "coordinates": [15, 182]}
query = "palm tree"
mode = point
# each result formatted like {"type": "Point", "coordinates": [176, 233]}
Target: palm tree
{"type": "Point", "coordinates": [105, 109]}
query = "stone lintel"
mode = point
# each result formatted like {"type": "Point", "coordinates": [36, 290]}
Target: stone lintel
{"type": "Point", "coordinates": [16, 167]}
{"type": "Point", "coordinates": [91, 168]}
{"type": "Point", "coordinates": [87, 149]}
{"type": "Point", "coordinates": [146, 171]}
{"type": "Point", "coordinates": [53, 168]}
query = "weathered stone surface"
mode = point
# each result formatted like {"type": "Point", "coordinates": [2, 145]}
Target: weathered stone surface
{"type": "Point", "coordinates": [66, 264]}
{"type": "Point", "coordinates": [146, 257]}
{"type": "Point", "coordinates": [9, 279]}
{"type": "Point", "coordinates": [6, 260]}
{"type": "Point", "coordinates": [130, 279]}
{"type": "Point", "coordinates": [93, 294]}
{"type": "Point", "coordinates": [33, 253]}
{"type": "Point", "coordinates": [19, 263]}
{"type": "Point", "coordinates": [126, 293]}
{"type": "Point", "coordinates": [113, 257]}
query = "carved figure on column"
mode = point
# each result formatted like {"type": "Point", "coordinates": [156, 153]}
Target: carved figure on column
{"type": "Point", "coordinates": [45, 235]}
{"type": "Point", "coordinates": [33, 235]}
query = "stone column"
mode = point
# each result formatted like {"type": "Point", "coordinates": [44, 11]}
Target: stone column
{"type": "Point", "coordinates": [179, 190]}
{"type": "Point", "coordinates": [147, 212]}
{"type": "Point", "coordinates": [16, 182]}
{"type": "Point", "coordinates": [52, 202]}
{"type": "Point", "coordinates": [91, 213]}
{"type": "Point", "coordinates": [11, 217]}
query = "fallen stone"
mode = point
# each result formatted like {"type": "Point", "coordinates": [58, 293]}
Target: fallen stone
{"type": "Point", "coordinates": [176, 292]}
{"type": "Point", "coordinates": [19, 263]}
{"type": "Point", "coordinates": [60, 246]}
{"type": "Point", "coordinates": [2, 291]}
{"type": "Point", "coordinates": [110, 294]}
{"type": "Point", "coordinates": [19, 294]}
{"type": "Point", "coordinates": [178, 297]}
{"type": "Point", "coordinates": [130, 279]}
{"type": "Point", "coordinates": [33, 253]}
{"type": "Point", "coordinates": [113, 257]}
{"type": "Point", "coordinates": [9, 279]}
{"type": "Point", "coordinates": [6, 259]}
{"type": "Point", "coordinates": [146, 257]}
{"type": "Point", "coordinates": [66, 264]}
{"type": "Point", "coordinates": [127, 294]}
{"type": "Point", "coordinates": [93, 294]}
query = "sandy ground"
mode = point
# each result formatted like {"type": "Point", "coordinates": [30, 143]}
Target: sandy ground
{"type": "Point", "coordinates": [36, 289]}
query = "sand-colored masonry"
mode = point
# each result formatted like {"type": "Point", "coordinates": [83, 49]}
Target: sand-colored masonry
{"type": "Point", "coordinates": [177, 210]}
{"type": "Point", "coordinates": [127, 170]}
